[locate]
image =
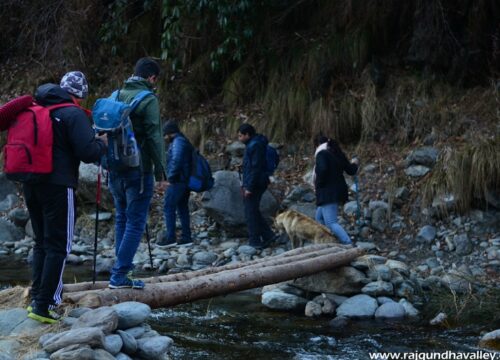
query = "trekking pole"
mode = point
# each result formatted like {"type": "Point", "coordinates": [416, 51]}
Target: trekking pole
{"type": "Point", "coordinates": [148, 239]}
{"type": "Point", "coordinates": [358, 205]}
{"type": "Point", "coordinates": [97, 203]}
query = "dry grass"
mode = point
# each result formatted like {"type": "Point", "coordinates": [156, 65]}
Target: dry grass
{"type": "Point", "coordinates": [14, 297]}
{"type": "Point", "coordinates": [468, 172]}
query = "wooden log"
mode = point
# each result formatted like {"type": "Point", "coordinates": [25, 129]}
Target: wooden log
{"type": "Point", "coordinates": [201, 287]}
{"type": "Point", "coordinates": [310, 251]}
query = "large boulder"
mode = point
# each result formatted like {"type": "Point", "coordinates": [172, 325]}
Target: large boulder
{"type": "Point", "coordinates": [87, 186]}
{"type": "Point", "coordinates": [224, 203]}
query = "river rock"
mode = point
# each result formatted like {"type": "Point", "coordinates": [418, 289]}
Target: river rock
{"type": "Point", "coordinates": [379, 219]}
{"type": "Point", "coordinates": [129, 342]}
{"type": "Point", "coordinates": [204, 258]}
{"type": "Point", "coordinates": [365, 262]}
{"type": "Point", "coordinates": [100, 354]}
{"type": "Point", "coordinates": [19, 216]}
{"type": "Point", "coordinates": [85, 336]}
{"type": "Point", "coordinates": [439, 319]}
{"type": "Point", "coordinates": [379, 272]}
{"type": "Point", "coordinates": [113, 343]}
{"type": "Point", "coordinates": [153, 348]}
{"type": "Point", "coordinates": [138, 331]}
{"type": "Point", "coordinates": [350, 208]}
{"type": "Point", "coordinates": [327, 305]}
{"type": "Point", "coordinates": [416, 171]}
{"type": "Point", "coordinates": [9, 232]}
{"type": "Point", "coordinates": [491, 340]}
{"type": "Point", "coordinates": [426, 156]}
{"type": "Point", "coordinates": [312, 309]}
{"type": "Point", "coordinates": [398, 266]}
{"type": "Point", "coordinates": [358, 306]}
{"type": "Point", "coordinates": [426, 234]}
{"type": "Point", "coordinates": [378, 288]}
{"type": "Point", "coordinates": [390, 310]}
{"type": "Point", "coordinates": [131, 313]}
{"type": "Point", "coordinates": [339, 323]}
{"type": "Point", "coordinates": [73, 352]}
{"type": "Point", "coordinates": [9, 319]}
{"type": "Point", "coordinates": [410, 310]}
{"type": "Point", "coordinates": [9, 348]}
{"type": "Point", "coordinates": [104, 318]}
{"type": "Point", "coordinates": [345, 280]}
{"type": "Point", "coordinates": [279, 300]}
{"type": "Point", "coordinates": [122, 356]}
{"type": "Point", "coordinates": [463, 245]}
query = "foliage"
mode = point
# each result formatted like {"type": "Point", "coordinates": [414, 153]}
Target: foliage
{"type": "Point", "coordinates": [469, 172]}
{"type": "Point", "coordinates": [231, 26]}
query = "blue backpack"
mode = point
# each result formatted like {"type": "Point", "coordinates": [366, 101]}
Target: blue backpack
{"type": "Point", "coordinates": [201, 175]}
{"type": "Point", "coordinates": [272, 159]}
{"type": "Point", "coordinates": [112, 116]}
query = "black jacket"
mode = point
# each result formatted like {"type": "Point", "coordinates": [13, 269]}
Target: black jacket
{"type": "Point", "coordinates": [330, 182]}
{"type": "Point", "coordinates": [255, 176]}
{"type": "Point", "coordinates": [74, 138]}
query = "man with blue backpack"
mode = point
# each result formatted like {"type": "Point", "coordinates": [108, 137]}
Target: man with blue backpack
{"type": "Point", "coordinates": [131, 117]}
{"type": "Point", "coordinates": [259, 162]}
{"type": "Point", "coordinates": [179, 161]}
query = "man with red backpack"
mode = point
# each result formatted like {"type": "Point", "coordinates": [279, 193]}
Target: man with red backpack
{"type": "Point", "coordinates": [51, 198]}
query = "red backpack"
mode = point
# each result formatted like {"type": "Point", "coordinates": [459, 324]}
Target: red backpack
{"type": "Point", "coordinates": [28, 152]}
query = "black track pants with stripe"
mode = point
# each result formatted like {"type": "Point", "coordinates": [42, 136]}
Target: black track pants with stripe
{"type": "Point", "coordinates": [52, 212]}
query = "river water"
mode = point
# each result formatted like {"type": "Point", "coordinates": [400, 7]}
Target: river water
{"type": "Point", "coordinates": [237, 326]}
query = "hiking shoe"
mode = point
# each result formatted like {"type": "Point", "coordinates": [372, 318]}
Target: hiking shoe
{"type": "Point", "coordinates": [166, 242]}
{"type": "Point", "coordinates": [126, 282]}
{"type": "Point", "coordinates": [43, 315]}
{"type": "Point", "coordinates": [32, 304]}
{"type": "Point", "coordinates": [185, 242]}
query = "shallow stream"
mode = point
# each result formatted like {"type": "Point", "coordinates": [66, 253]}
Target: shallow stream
{"type": "Point", "coordinates": [237, 326]}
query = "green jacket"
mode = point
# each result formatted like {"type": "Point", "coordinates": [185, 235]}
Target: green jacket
{"type": "Point", "coordinates": [147, 127]}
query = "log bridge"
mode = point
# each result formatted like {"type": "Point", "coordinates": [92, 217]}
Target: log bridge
{"type": "Point", "coordinates": [174, 289]}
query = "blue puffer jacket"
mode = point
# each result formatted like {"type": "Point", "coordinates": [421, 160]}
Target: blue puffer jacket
{"type": "Point", "coordinates": [254, 164]}
{"type": "Point", "coordinates": [179, 156]}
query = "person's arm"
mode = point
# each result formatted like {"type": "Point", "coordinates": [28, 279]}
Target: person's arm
{"type": "Point", "coordinates": [87, 147]}
{"type": "Point", "coordinates": [174, 168]}
{"type": "Point", "coordinates": [321, 168]}
{"type": "Point", "coordinates": [153, 142]}
{"type": "Point", "coordinates": [351, 168]}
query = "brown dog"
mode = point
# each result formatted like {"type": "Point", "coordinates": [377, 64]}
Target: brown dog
{"type": "Point", "coordinates": [301, 228]}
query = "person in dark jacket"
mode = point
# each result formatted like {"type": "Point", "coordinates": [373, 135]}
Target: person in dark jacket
{"type": "Point", "coordinates": [51, 200]}
{"type": "Point", "coordinates": [179, 158]}
{"type": "Point", "coordinates": [330, 185]}
{"type": "Point", "coordinates": [254, 184]}
{"type": "Point", "coordinates": [132, 189]}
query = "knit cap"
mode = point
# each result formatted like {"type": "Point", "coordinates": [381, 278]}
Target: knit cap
{"type": "Point", "coordinates": [75, 83]}
{"type": "Point", "coordinates": [170, 127]}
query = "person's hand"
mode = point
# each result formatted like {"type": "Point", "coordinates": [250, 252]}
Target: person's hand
{"type": "Point", "coordinates": [162, 185]}
{"type": "Point", "coordinates": [247, 193]}
{"type": "Point", "coordinates": [103, 138]}
{"type": "Point", "coordinates": [355, 160]}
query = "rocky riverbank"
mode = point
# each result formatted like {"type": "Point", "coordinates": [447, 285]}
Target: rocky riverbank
{"type": "Point", "coordinates": [412, 251]}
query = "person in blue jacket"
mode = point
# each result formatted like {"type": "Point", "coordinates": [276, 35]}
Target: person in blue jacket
{"type": "Point", "coordinates": [179, 157]}
{"type": "Point", "coordinates": [254, 184]}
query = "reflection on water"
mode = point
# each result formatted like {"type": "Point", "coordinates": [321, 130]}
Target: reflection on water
{"type": "Point", "coordinates": [237, 326]}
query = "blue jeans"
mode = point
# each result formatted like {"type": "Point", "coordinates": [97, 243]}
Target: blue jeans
{"type": "Point", "coordinates": [177, 199]}
{"type": "Point", "coordinates": [327, 215]}
{"type": "Point", "coordinates": [131, 212]}
{"type": "Point", "coordinates": [258, 228]}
